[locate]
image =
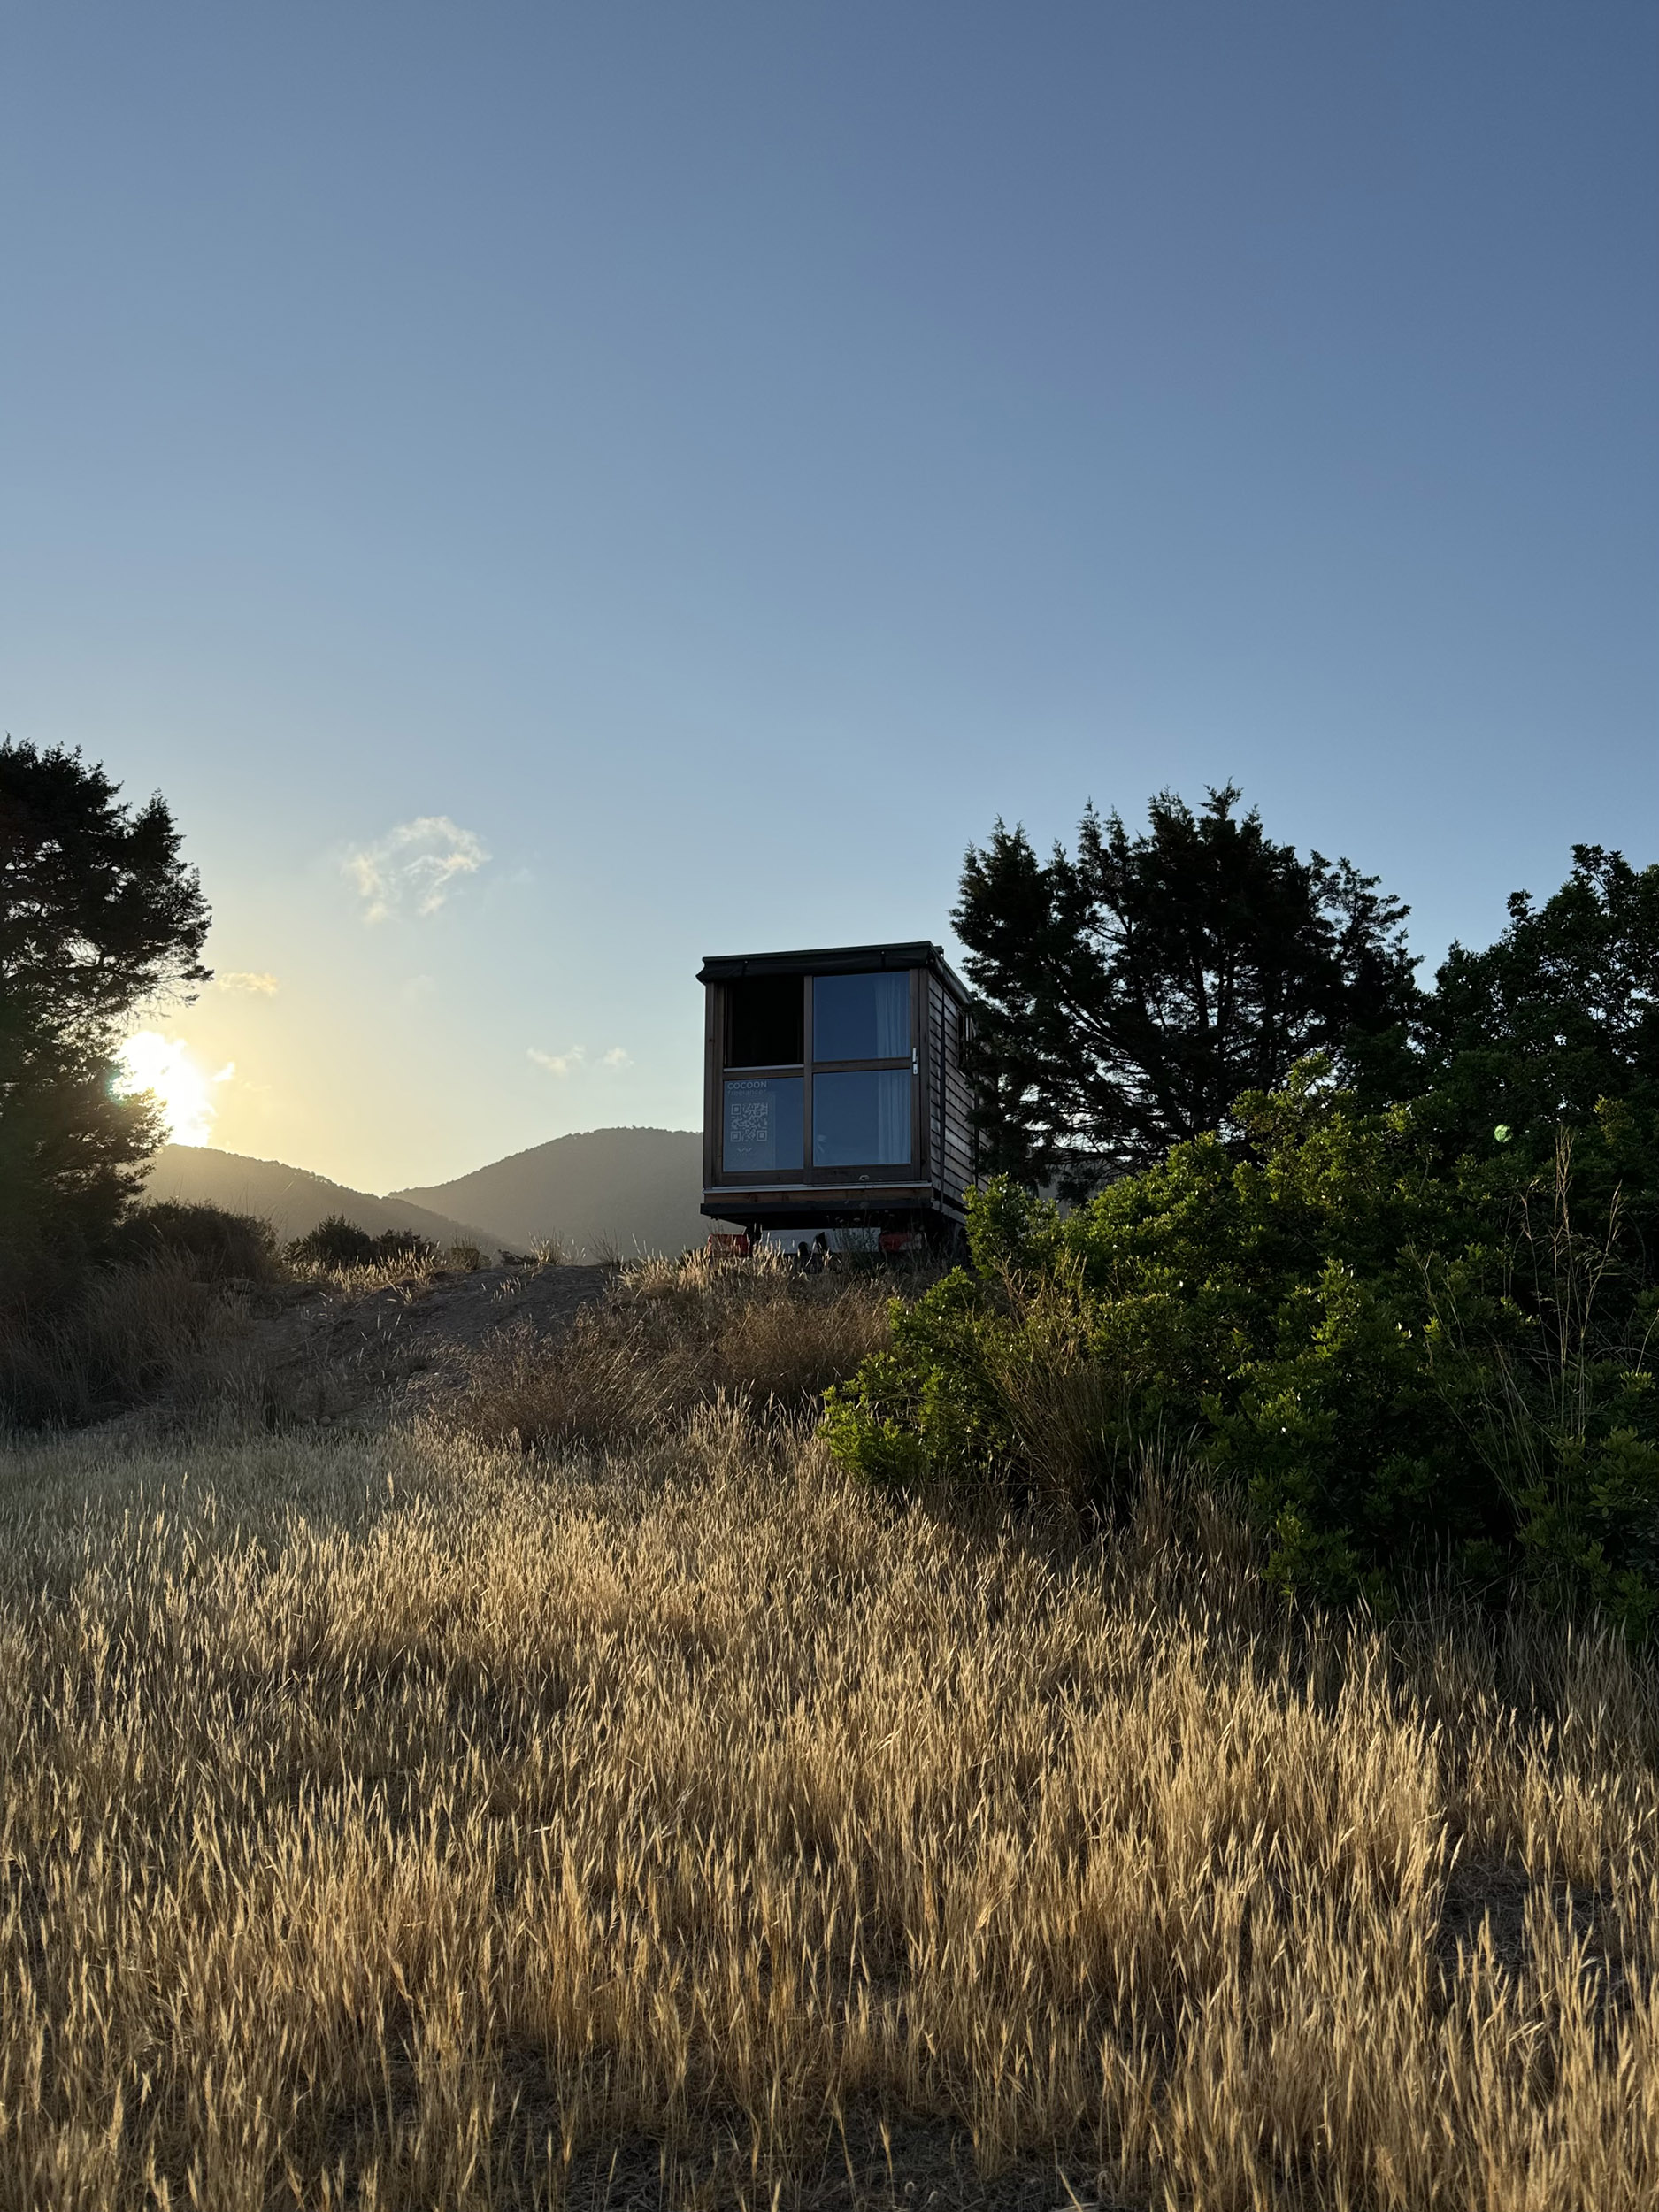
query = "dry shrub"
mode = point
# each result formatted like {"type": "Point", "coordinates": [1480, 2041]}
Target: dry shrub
{"type": "Point", "coordinates": [134, 1322]}
{"type": "Point", "coordinates": [157, 1337]}
{"type": "Point", "coordinates": [362, 1279]}
{"type": "Point", "coordinates": [790, 1338]}
{"type": "Point", "coordinates": [591, 1385]}
{"type": "Point", "coordinates": [338, 1243]}
{"type": "Point", "coordinates": [252, 1375]}
{"type": "Point", "coordinates": [214, 1244]}
{"type": "Point", "coordinates": [387, 1825]}
{"type": "Point", "coordinates": [129, 1330]}
{"type": "Point", "coordinates": [340, 1252]}
{"type": "Point", "coordinates": [668, 1336]}
{"type": "Point", "coordinates": [1066, 1416]}
{"type": "Point", "coordinates": [175, 1285]}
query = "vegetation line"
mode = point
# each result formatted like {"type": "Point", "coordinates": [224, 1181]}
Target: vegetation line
{"type": "Point", "coordinates": [416, 1821]}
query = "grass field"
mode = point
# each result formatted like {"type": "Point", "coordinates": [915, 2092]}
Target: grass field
{"type": "Point", "coordinates": [397, 1820]}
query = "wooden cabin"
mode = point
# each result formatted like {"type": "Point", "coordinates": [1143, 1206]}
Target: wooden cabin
{"type": "Point", "coordinates": [834, 1089]}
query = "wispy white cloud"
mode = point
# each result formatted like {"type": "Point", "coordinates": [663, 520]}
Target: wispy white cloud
{"type": "Point", "coordinates": [575, 1056]}
{"type": "Point", "coordinates": [245, 980]}
{"type": "Point", "coordinates": [560, 1063]}
{"type": "Point", "coordinates": [416, 864]}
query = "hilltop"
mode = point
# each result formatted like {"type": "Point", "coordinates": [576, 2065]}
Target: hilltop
{"type": "Point", "coordinates": [621, 1190]}
{"type": "Point", "coordinates": [634, 1190]}
{"type": "Point", "coordinates": [292, 1198]}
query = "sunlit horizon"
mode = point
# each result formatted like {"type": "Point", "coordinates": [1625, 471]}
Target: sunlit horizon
{"type": "Point", "coordinates": [184, 1090]}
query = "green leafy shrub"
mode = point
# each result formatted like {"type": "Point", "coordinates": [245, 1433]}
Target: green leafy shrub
{"type": "Point", "coordinates": [1545, 1362]}
{"type": "Point", "coordinates": [1357, 1330]}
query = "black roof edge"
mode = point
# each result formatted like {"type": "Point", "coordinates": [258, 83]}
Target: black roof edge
{"type": "Point", "coordinates": [833, 960]}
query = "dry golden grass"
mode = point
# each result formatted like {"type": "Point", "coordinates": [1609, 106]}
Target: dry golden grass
{"type": "Point", "coordinates": [360, 1279]}
{"type": "Point", "coordinates": [396, 1822]}
{"type": "Point", "coordinates": [129, 1330]}
{"type": "Point", "coordinates": [183, 1321]}
{"type": "Point", "coordinates": [671, 1336]}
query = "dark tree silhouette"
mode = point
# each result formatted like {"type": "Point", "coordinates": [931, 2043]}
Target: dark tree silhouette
{"type": "Point", "coordinates": [1560, 1014]}
{"type": "Point", "coordinates": [98, 917]}
{"type": "Point", "coordinates": [1130, 993]}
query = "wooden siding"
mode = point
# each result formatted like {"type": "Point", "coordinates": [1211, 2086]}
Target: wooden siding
{"type": "Point", "coordinates": [951, 1102]}
{"type": "Point", "coordinates": [713, 1072]}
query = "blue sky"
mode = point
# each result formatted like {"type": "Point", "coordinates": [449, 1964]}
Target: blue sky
{"type": "Point", "coordinates": [550, 492]}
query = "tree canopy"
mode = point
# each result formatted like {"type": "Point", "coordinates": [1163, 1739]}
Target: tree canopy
{"type": "Point", "coordinates": [1403, 1365]}
{"type": "Point", "coordinates": [99, 917]}
{"type": "Point", "coordinates": [1418, 1329]}
{"type": "Point", "coordinates": [1131, 991]}
{"type": "Point", "coordinates": [1560, 1014]}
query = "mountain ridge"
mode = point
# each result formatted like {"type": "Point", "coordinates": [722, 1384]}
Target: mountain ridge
{"type": "Point", "coordinates": [626, 1189]}
{"type": "Point", "coordinates": [620, 1190]}
{"type": "Point", "coordinates": [293, 1199]}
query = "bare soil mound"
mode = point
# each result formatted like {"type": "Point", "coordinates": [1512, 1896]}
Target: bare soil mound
{"type": "Point", "coordinates": [425, 1327]}
{"type": "Point", "coordinates": [340, 1348]}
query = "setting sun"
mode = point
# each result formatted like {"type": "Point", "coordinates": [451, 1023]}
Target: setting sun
{"type": "Point", "coordinates": [150, 1062]}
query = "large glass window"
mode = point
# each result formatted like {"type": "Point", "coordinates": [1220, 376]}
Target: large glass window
{"type": "Point", "coordinates": [764, 1125]}
{"type": "Point", "coordinates": [861, 1118]}
{"type": "Point", "coordinates": [861, 1016]}
{"type": "Point", "coordinates": [766, 1022]}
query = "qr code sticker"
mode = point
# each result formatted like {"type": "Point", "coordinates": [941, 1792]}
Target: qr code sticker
{"type": "Point", "coordinates": [748, 1124]}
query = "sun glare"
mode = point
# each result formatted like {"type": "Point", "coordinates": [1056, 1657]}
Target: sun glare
{"type": "Point", "coordinates": [150, 1062]}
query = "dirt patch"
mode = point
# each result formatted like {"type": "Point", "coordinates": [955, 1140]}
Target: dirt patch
{"type": "Point", "coordinates": [425, 1328]}
{"type": "Point", "coordinates": [327, 1351]}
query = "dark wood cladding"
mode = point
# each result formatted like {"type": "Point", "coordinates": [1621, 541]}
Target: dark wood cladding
{"type": "Point", "coordinates": [926, 1188]}
{"type": "Point", "coordinates": [953, 1098]}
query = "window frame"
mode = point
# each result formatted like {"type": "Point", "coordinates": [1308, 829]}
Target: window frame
{"type": "Point", "coordinates": [904, 1173]}
{"type": "Point", "coordinates": [868, 1169]}
{"type": "Point", "coordinates": [763, 1175]}
{"type": "Point", "coordinates": [729, 1066]}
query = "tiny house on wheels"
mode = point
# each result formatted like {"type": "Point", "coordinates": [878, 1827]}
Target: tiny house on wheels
{"type": "Point", "coordinates": [834, 1092]}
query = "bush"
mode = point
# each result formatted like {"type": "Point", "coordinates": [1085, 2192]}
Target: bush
{"type": "Point", "coordinates": [333, 1242]}
{"type": "Point", "coordinates": [669, 1336]}
{"type": "Point", "coordinates": [117, 1329]}
{"type": "Point", "coordinates": [124, 1336]}
{"type": "Point", "coordinates": [336, 1243]}
{"type": "Point", "coordinates": [1401, 1364]}
{"type": "Point", "coordinates": [213, 1245]}
{"type": "Point", "coordinates": [393, 1245]}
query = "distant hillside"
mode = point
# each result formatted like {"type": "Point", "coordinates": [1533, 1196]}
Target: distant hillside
{"type": "Point", "coordinates": [290, 1197]}
{"type": "Point", "coordinates": [631, 1189]}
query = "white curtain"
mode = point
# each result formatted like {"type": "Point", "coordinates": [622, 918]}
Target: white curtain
{"type": "Point", "coordinates": [892, 1111]}
{"type": "Point", "coordinates": [893, 1021]}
